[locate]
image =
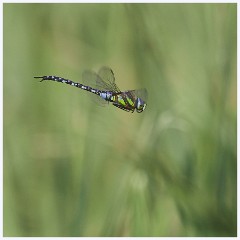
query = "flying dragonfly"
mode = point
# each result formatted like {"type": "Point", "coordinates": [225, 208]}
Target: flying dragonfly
{"type": "Point", "coordinates": [103, 85]}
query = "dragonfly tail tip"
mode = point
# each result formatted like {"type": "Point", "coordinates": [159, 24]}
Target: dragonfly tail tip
{"type": "Point", "coordinates": [42, 79]}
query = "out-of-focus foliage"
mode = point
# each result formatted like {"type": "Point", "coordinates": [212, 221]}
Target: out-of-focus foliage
{"type": "Point", "coordinates": [72, 168]}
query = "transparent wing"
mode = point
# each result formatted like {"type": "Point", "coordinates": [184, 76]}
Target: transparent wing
{"type": "Point", "coordinates": [98, 100]}
{"type": "Point", "coordinates": [90, 79]}
{"type": "Point", "coordinates": [138, 93]}
{"type": "Point", "coordinates": [107, 79]}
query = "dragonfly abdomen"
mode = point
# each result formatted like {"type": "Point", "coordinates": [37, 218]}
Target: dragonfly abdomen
{"type": "Point", "coordinates": [106, 95]}
{"type": "Point", "coordinates": [70, 82]}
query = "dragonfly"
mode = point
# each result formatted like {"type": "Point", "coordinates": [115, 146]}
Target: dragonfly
{"type": "Point", "coordinates": [105, 90]}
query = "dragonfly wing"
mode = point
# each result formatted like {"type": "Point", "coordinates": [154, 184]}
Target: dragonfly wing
{"type": "Point", "coordinates": [138, 93]}
{"type": "Point", "coordinates": [107, 76]}
{"type": "Point", "coordinates": [90, 79]}
{"type": "Point", "coordinates": [98, 100]}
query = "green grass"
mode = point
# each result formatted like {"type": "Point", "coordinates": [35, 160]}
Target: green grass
{"type": "Point", "coordinates": [72, 168]}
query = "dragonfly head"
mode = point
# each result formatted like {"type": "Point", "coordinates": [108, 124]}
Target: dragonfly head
{"type": "Point", "coordinates": [140, 105]}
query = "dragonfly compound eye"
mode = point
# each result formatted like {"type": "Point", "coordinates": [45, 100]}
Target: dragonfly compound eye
{"type": "Point", "coordinates": [140, 106]}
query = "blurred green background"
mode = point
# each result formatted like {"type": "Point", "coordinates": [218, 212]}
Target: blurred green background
{"type": "Point", "coordinates": [72, 168]}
